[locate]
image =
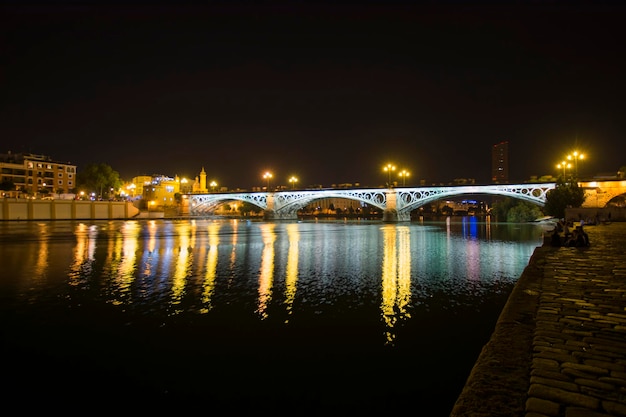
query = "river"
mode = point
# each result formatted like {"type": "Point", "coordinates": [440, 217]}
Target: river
{"type": "Point", "coordinates": [294, 318]}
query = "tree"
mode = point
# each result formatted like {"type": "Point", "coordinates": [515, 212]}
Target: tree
{"type": "Point", "coordinates": [7, 185]}
{"type": "Point", "coordinates": [98, 178]}
{"type": "Point", "coordinates": [564, 195]}
{"type": "Point", "coordinates": [523, 212]}
{"type": "Point", "coordinates": [512, 210]}
{"type": "Point", "coordinates": [500, 209]}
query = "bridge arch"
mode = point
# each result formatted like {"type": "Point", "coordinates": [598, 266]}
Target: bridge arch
{"type": "Point", "coordinates": [288, 204]}
{"type": "Point", "coordinates": [202, 204]}
{"type": "Point", "coordinates": [600, 193]}
{"type": "Point", "coordinates": [412, 199]}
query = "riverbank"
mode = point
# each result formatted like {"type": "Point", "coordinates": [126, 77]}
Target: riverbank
{"type": "Point", "coordinates": [29, 209]}
{"type": "Point", "coordinates": [559, 345]}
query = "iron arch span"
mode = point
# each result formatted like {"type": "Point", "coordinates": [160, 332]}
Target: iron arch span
{"type": "Point", "coordinates": [396, 203]}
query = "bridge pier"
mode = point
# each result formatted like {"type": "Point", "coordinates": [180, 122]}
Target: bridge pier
{"type": "Point", "coordinates": [274, 215]}
{"type": "Point", "coordinates": [394, 216]}
{"type": "Point", "coordinates": [391, 213]}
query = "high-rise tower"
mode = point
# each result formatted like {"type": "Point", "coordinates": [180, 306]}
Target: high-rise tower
{"type": "Point", "coordinates": [500, 163]}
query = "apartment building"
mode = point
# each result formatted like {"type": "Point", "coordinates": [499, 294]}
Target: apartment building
{"type": "Point", "coordinates": [33, 174]}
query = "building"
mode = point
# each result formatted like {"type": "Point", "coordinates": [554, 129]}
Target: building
{"type": "Point", "coordinates": [161, 192]}
{"type": "Point", "coordinates": [500, 163]}
{"type": "Point", "coordinates": [134, 190]}
{"type": "Point", "coordinates": [36, 175]}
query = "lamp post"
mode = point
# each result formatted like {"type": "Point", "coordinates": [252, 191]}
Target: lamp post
{"type": "Point", "coordinates": [403, 174]}
{"type": "Point", "coordinates": [564, 165]}
{"type": "Point", "coordinates": [293, 180]}
{"type": "Point", "coordinates": [575, 156]}
{"type": "Point", "coordinates": [213, 184]}
{"type": "Point", "coordinates": [388, 170]}
{"type": "Point", "coordinates": [268, 176]}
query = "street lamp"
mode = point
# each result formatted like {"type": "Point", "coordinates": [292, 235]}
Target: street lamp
{"type": "Point", "coordinates": [575, 156]}
{"type": "Point", "coordinates": [388, 170]}
{"type": "Point", "coordinates": [293, 180]}
{"type": "Point", "coordinates": [213, 184]}
{"type": "Point", "coordinates": [268, 176]}
{"type": "Point", "coordinates": [403, 174]}
{"type": "Point", "coordinates": [564, 165]}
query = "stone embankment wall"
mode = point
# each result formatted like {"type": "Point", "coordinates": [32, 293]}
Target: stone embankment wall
{"type": "Point", "coordinates": [591, 213]}
{"type": "Point", "coordinates": [28, 209]}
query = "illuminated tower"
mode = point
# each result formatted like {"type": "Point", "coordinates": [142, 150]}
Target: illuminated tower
{"type": "Point", "coordinates": [500, 163]}
{"type": "Point", "coordinates": [203, 181]}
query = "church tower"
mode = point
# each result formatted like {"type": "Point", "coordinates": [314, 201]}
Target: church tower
{"type": "Point", "coordinates": [203, 188]}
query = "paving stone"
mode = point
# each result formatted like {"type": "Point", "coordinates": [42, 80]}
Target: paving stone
{"type": "Point", "coordinates": [543, 407]}
{"type": "Point", "coordinates": [576, 345]}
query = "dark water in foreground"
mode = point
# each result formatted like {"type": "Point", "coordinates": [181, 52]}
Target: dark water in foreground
{"type": "Point", "coordinates": [226, 317]}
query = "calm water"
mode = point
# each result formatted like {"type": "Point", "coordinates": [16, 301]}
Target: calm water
{"type": "Point", "coordinates": [290, 318]}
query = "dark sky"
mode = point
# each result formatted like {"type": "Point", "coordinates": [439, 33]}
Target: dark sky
{"type": "Point", "coordinates": [328, 92]}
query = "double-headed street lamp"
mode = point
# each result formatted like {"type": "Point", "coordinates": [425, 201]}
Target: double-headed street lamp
{"type": "Point", "coordinates": [293, 180]}
{"type": "Point", "coordinates": [388, 169]}
{"type": "Point", "coordinates": [575, 157]}
{"type": "Point", "coordinates": [268, 176]}
{"type": "Point", "coordinates": [403, 174]}
{"type": "Point", "coordinates": [564, 165]}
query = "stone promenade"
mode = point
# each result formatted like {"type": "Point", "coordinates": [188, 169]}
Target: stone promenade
{"type": "Point", "coordinates": [559, 346]}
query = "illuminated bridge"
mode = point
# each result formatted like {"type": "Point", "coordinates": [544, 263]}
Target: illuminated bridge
{"type": "Point", "coordinates": [395, 203]}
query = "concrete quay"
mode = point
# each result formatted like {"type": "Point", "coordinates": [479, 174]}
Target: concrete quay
{"type": "Point", "coordinates": [559, 346]}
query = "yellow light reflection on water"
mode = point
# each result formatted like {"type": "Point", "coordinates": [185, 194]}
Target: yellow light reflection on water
{"type": "Point", "coordinates": [121, 257]}
{"type": "Point", "coordinates": [183, 261]}
{"type": "Point", "coordinates": [208, 286]}
{"type": "Point", "coordinates": [266, 274]}
{"type": "Point", "coordinates": [396, 277]}
{"type": "Point", "coordinates": [291, 277]}
{"type": "Point", "coordinates": [84, 251]}
{"type": "Point", "coordinates": [41, 265]}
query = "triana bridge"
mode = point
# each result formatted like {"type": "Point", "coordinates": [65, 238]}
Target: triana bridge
{"type": "Point", "coordinates": [395, 203]}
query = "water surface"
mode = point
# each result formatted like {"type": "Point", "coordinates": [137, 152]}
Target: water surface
{"type": "Point", "coordinates": [290, 317]}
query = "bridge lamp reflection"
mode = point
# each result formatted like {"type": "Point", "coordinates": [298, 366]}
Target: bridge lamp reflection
{"type": "Point", "coordinates": [403, 174]}
{"type": "Point", "coordinates": [388, 169]}
{"type": "Point", "coordinates": [293, 180]}
{"type": "Point", "coordinates": [268, 176]}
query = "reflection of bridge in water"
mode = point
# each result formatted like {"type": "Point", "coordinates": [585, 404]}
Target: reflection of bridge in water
{"type": "Point", "coordinates": [395, 203]}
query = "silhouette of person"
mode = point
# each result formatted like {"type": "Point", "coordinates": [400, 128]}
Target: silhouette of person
{"type": "Point", "coordinates": [556, 238]}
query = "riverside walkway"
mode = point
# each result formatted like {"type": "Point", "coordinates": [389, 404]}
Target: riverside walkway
{"type": "Point", "coordinates": [559, 345]}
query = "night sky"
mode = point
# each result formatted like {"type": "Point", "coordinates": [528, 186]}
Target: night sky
{"type": "Point", "coordinates": [328, 92]}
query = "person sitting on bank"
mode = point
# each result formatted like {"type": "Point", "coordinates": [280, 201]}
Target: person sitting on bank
{"type": "Point", "coordinates": [583, 235]}
{"type": "Point", "coordinates": [577, 239]}
{"type": "Point", "coordinates": [566, 229]}
{"type": "Point", "coordinates": [556, 240]}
